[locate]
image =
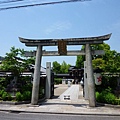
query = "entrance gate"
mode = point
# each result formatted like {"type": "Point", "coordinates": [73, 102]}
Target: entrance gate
{"type": "Point", "coordinates": [62, 51]}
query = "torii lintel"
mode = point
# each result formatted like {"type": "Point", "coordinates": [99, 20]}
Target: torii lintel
{"type": "Point", "coordinates": [69, 41]}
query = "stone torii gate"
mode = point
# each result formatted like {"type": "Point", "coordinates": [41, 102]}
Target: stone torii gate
{"type": "Point", "coordinates": [62, 50]}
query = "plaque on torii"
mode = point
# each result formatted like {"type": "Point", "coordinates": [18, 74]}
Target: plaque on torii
{"type": "Point", "coordinates": [62, 50]}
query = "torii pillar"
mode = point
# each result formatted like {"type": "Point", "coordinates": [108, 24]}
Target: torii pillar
{"type": "Point", "coordinates": [90, 77]}
{"type": "Point", "coordinates": [36, 79]}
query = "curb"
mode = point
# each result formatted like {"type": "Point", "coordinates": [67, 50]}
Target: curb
{"type": "Point", "coordinates": [14, 103]}
{"type": "Point", "coordinates": [65, 113]}
{"type": "Point", "coordinates": [108, 105]}
{"type": "Point", "coordinates": [18, 103]}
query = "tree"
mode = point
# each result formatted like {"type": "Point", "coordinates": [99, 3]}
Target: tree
{"type": "Point", "coordinates": [56, 67]}
{"type": "Point", "coordinates": [98, 62]}
{"type": "Point", "coordinates": [110, 62]}
{"type": "Point", "coordinates": [10, 63]}
{"type": "Point", "coordinates": [80, 59]}
{"type": "Point", "coordinates": [64, 67]}
{"type": "Point", "coordinates": [13, 63]}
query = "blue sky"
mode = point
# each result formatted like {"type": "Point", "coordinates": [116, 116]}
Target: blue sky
{"type": "Point", "coordinates": [78, 19]}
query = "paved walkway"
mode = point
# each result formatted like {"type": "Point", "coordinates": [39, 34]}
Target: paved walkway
{"type": "Point", "coordinates": [58, 106]}
{"type": "Point", "coordinates": [72, 93]}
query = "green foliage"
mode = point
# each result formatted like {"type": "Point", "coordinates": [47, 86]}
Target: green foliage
{"type": "Point", "coordinates": [24, 85]}
{"type": "Point", "coordinates": [56, 67]}
{"type": "Point", "coordinates": [98, 62]}
{"type": "Point", "coordinates": [27, 62]}
{"type": "Point", "coordinates": [4, 96]}
{"type": "Point", "coordinates": [110, 98]}
{"type": "Point", "coordinates": [26, 95]}
{"type": "Point", "coordinates": [3, 83]}
{"type": "Point", "coordinates": [117, 101]}
{"type": "Point", "coordinates": [19, 96]}
{"type": "Point", "coordinates": [23, 96]}
{"type": "Point", "coordinates": [9, 97]}
{"type": "Point", "coordinates": [97, 95]}
{"type": "Point", "coordinates": [1, 92]}
{"type": "Point", "coordinates": [80, 61]}
{"type": "Point", "coordinates": [27, 87]}
{"type": "Point", "coordinates": [110, 62]}
{"type": "Point", "coordinates": [63, 68]}
{"type": "Point", "coordinates": [10, 63]}
{"type": "Point", "coordinates": [106, 97]}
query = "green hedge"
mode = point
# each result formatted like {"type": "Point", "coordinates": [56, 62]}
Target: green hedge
{"type": "Point", "coordinates": [19, 96]}
{"type": "Point", "coordinates": [26, 96]}
{"type": "Point", "coordinates": [107, 97]}
{"type": "Point", "coordinates": [5, 96]}
{"type": "Point", "coordinates": [117, 101]}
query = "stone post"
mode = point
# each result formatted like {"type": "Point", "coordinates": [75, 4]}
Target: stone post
{"type": "Point", "coordinates": [85, 82]}
{"type": "Point", "coordinates": [48, 80]}
{"type": "Point", "coordinates": [36, 79]}
{"type": "Point", "coordinates": [90, 77]}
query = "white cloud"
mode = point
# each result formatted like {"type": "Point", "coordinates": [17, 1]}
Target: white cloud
{"type": "Point", "coordinates": [58, 26]}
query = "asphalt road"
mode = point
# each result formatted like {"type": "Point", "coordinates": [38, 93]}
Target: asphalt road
{"type": "Point", "coordinates": [38, 116]}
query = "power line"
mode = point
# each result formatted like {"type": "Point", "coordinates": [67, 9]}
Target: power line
{"type": "Point", "coordinates": [41, 4]}
{"type": "Point", "coordinates": [9, 1]}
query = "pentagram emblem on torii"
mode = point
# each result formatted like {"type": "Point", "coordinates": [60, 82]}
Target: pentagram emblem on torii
{"type": "Point", "coordinates": [99, 78]}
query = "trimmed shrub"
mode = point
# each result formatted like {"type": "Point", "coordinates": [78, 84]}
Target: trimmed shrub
{"type": "Point", "coordinates": [97, 95]}
{"type": "Point", "coordinates": [105, 97]}
{"type": "Point", "coordinates": [110, 98]}
{"type": "Point", "coordinates": [117, 101]}
{"type": "Point", "coordinates": [27, 95]}
{"type": "Point", "coordinates": [19, 96]}
{"type": "Point", "coordinates": [4, 96]}
{"type": "Point", "coordinates": [1, 92]}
